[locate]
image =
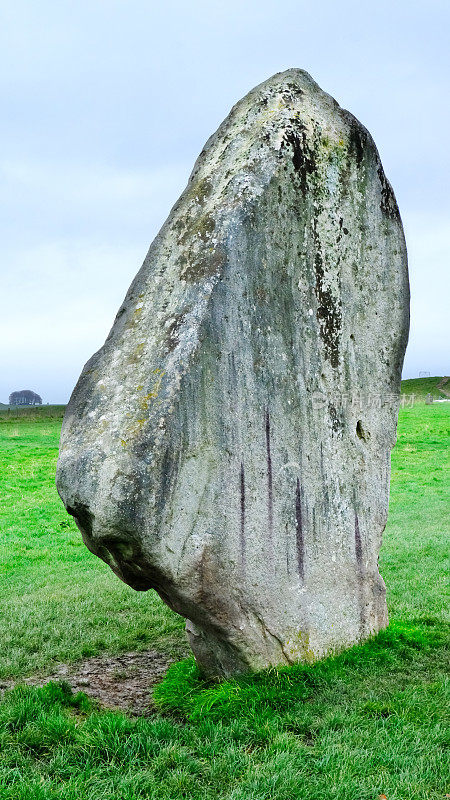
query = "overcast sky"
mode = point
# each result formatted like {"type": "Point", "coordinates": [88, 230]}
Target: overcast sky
{"type": "Point", "coordinates": [107, 103]}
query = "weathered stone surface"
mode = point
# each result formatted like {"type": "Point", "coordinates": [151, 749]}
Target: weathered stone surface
{"type": "Point", "coordinates": [229, 445]}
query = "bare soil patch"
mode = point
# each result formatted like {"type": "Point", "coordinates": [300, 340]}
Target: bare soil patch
{"type": "Point", "coordinates": [122, 682]}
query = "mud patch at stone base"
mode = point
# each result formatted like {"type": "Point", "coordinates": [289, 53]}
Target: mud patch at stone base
{"type": "Point", "coordinates": [123, 682]}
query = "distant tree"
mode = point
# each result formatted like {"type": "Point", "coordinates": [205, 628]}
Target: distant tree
{"type": "Point", "coordinates": [25, 398]}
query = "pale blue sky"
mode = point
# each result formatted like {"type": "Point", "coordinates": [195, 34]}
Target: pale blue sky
{"type": "Point", "coordinates": [106, 105]}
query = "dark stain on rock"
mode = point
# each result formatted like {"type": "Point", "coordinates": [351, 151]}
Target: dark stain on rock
{"type": "Point", "coordinates": [302, 157]}
{"type": "Point", "coordinates": [357, 141]}
{"type": "Point", "coordinates": [328, 313]}
{"type": "Point", "coordinates": [360, 577]}
{"type": "Point", "coordinates": [336, 422]}
{"type": "Point", "coordinates": [172, 337]}
{"type": "Point", "coordinates": [202, 577]}
{"type": "Point", "coordinates": [294, 91]}
{"type": "Point", "coordinates": [169, 469]}
{"type": "Point", "coordinates": [388, 203]}
{"type": "Point", "coordinates": [358, 548]}
{"type": "Point", "coordinates": [299, 531]}
{"type": "Point", "coordinates": [242, 520]}
{"type": "Point", "coordinates": [269, 477]}
{"type": "Point", "coordinates": [198, 266]}
{"type": "Point", "coordinates": [342, 228]}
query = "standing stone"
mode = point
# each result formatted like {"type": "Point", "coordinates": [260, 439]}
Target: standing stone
{"type": "Point", "coordinates": [229, 445]}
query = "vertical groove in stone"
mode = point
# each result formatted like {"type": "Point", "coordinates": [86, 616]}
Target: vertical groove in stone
{"type": "Point", "coordinates": [358, 547]}
{"type": "Point", "coordinates": [360, 577]}
{"type": "Point", "coordinates": [299, 532]}
{"type": "Point", "coordinates": [242, 520]}
{"type": "Point", "coordinates": [269, 479]}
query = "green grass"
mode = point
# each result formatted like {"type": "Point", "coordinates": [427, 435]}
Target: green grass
{"type": "Point", "coordinates": [370, 721]}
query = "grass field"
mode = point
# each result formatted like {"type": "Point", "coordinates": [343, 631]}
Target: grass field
{"type": "Point", "coordinates": [371, 721]}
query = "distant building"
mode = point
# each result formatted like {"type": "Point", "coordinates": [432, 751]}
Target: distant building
{"type": "Point", "coordinates": [25, 398]}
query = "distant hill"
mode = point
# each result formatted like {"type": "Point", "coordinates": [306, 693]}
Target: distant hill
{"type": "Point", "coordinates": [420, 387]}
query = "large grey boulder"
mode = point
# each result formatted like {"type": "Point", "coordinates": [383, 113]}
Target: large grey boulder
{"type": "Point", "coordinates": [229, 445]}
